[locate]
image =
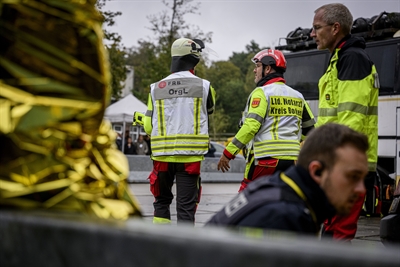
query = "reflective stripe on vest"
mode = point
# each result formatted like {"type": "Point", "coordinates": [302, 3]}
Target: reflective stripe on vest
{"type": "Point", "coordinates": [180, 118]}
{"type": "Point", "coordinates": [279, 134]}
{"type": "Point", "coordinates": [186, 144]}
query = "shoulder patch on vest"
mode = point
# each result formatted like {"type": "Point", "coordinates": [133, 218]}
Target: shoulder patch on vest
{"type": "Point", "coordinates": [256, 102]}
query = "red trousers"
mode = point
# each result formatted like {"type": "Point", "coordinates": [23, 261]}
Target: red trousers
{"type": "Point", "coordinates": [344, 228]}
{"type": "Point", "coordinates": [267, 166]}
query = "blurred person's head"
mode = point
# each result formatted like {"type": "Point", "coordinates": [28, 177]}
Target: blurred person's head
{"type": "Point", "coordinates": [335, 156]}
{"type": "Point", "coordinates": [332, 22]}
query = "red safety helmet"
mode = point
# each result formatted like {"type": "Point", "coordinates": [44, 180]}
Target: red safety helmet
{"type": "Point", "coordinates": [271, 57]}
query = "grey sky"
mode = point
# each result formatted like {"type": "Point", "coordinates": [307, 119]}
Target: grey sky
{"type": "Point", "coordinates": [235, 23]}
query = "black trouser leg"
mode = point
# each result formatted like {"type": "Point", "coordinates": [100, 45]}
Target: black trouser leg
{"type": "Point", "coordinates": [187, 194]}
{"type": "Point", "coordinates": [164, 199]}
{"type": "Point", "coordinates": [369, 183]}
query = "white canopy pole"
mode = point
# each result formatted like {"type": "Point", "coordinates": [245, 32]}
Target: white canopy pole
{"type": "Point", "coordinates": [123, 138]}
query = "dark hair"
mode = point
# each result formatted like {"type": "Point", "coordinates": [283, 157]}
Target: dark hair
{"type": "Point", "coordinates": [278, 69]}
{"type": "Point", "coordinates": [322, 142]}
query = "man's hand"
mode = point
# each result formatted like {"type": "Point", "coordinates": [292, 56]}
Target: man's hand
{"type": "Point", "coordinates": [138, 119]}
{"type": "Point", "coordinates": [223, 163]}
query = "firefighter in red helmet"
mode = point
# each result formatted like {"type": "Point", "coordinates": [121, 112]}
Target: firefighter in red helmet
{"type": "Point", "coordinates": [275, 120]}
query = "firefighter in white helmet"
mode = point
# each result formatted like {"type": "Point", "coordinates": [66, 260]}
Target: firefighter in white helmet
{"type": "Point", "coordinates": [177, 122]}
{"type": "Point", "coordinates": [274, 120]}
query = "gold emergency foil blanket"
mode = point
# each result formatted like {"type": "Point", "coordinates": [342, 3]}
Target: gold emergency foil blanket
{"type": "Point", "coordinates": [56, 152]}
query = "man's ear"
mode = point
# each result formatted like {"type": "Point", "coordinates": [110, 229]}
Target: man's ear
{"type": "Point", "coordinates": [336, 28]}
{"type": "Point", "coordinates": [315, 169]}
{"type": "Point", "coordinates": [267, 70]}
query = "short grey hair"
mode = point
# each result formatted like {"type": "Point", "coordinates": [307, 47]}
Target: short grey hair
{"type": "Point", "coordinates": [337, 12]}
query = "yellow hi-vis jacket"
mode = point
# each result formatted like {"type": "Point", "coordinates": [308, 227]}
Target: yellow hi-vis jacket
{"type": "Point", "coordinates": [348, 93]}
{"type": "Point", "coordinates": [274, 116]}
{"type": "Point", "coordinates": [177, 117]}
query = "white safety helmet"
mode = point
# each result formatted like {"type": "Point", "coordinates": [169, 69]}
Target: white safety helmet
{"type": "Point", "coordinates": [185, 54]}
{"type": "Point", "coordinates": [184, 46]}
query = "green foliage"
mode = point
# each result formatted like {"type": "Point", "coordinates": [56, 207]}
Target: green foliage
{"type": "Point", "coordinates": [233, 80]}
{"type": "Point", "coordinates": [148, 67]}
{"type": "Point", "coordinates": [115, 50]}
{"type": "Point", "coordinates": [151, 59]}
{"type": "Point", "coordinates": [242, 60]}
{"type": "Point", "coordinates": [225, 77]}
{"type": "Point", "coordinates": [219, 122]}
{"type": "Point", "coordinates": [118, 70]}
{"type": "Point", "coordinates": [249, 84]}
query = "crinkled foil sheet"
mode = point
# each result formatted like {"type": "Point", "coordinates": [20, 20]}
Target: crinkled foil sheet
{"type": "Point", "coordinates": [56, 152]}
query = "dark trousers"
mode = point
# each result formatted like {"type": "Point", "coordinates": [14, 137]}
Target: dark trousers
{"type": "Point", "coordinates": [188, 189]}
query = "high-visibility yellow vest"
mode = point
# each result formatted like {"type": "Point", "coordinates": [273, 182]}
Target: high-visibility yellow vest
{"type": "Point", "coordinates": [178, 124]}
{"type": "Point", "coordinates": [273, 119]}
{"type": "Point", "coordinates": [352, 102]}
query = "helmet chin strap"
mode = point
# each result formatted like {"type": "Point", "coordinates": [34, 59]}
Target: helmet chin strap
{"type": "Point", "coordinates": [263, 71]}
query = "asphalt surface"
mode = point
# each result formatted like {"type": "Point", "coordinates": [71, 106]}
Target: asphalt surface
{"type": "Point", "coordinates": [216, 195]}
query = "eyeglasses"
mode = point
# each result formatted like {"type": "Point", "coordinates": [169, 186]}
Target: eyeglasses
{"type": "Point", "coordinates": [316, 28]}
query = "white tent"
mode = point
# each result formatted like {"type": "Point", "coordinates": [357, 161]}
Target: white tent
{"type": "Point", "coordinates": [121, 112]}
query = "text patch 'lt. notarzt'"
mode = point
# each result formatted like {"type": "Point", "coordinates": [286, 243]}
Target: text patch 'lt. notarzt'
{"type": "Point", "coordinates": [285, 106]}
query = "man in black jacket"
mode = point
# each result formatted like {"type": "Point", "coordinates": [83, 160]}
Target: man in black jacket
{"type": "Point", "coordinates": [328, 179]}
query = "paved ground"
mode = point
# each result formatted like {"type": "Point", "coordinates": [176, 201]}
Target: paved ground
{"type": "Point", "coordinates": [215, 195]}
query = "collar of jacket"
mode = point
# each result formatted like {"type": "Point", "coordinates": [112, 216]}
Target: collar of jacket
{"type": "Point", "coordinates": [342, 42]}
{"type": "Point", "coordinates": [271, 78]}
{"type": "Point", "coordinates": [340, 45]}
{"type": "Point", "coordinates": [352, 41]}
{"type": "Point", "coordinates": [315, 196]}
{"type": "Point", "coordinates": [349, 41]}
{"type": "Point", "coordinates": [191, 71]}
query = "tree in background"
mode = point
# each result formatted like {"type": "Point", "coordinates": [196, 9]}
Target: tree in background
{"type": "Point", "coordinates": [233, 80]}
{"type": "Point", "coordinates": [151, 59]}
{"type": "Point", "coordinates": [115, 50]}
{"type": "Point", "coordinates": [243, 61]}
{"type": "Point", "coordinates": [231, 98]}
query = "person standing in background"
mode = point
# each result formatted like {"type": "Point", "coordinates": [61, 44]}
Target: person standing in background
{"type": "Point", "coordinates": [275, 120]}
{"type": "Point", "coordinates": [177, 121]}
{"type": "Point", "coordinates": [348, 95]}
{"type": "Point", "coordinates": [148, 142]}
{"type": "Point", "coordinates": [141, 146]}
{"type": "Point", "coordinates": [130, 148]}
